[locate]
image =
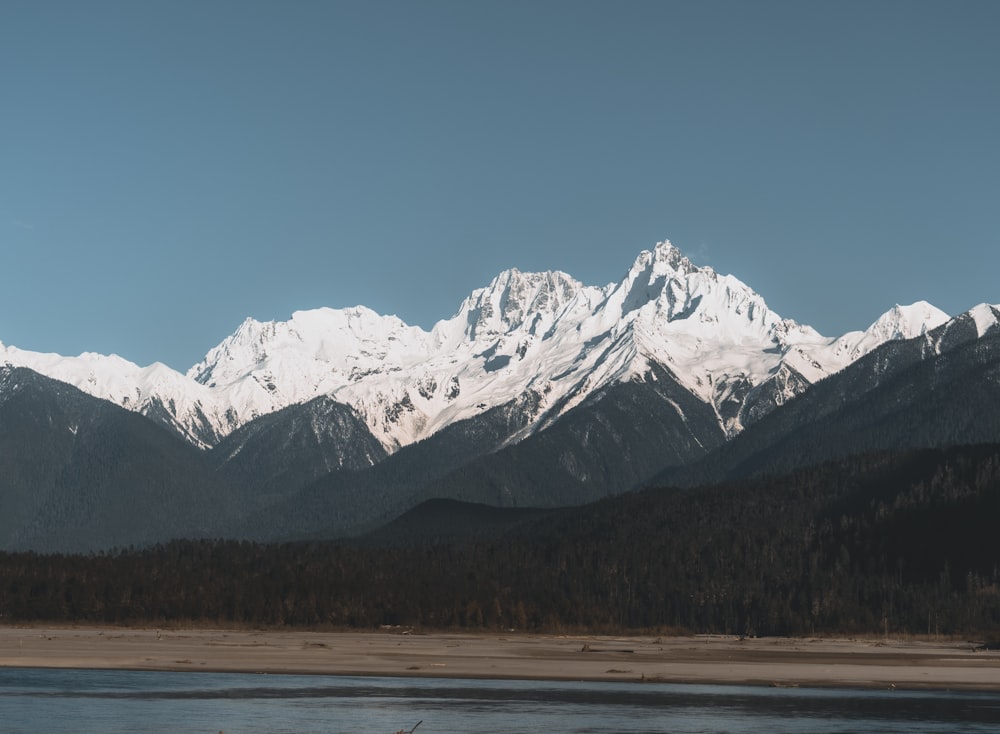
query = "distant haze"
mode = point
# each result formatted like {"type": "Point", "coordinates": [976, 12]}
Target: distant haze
{"type": "Point", "coordinates": [170, 168]}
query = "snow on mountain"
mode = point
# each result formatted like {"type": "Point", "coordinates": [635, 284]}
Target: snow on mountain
{"type": "Point", "coordinates": [714, 333]}
{"type": "Point", "coordinates": [543, 334]}
{"type": "Point", "coordinates": [264, 367]}
{"type": "Point", "coordinates": [899, 322]}
{"type": "Point", "coordinates": [156, 390]}
{"type": "Point", "coordinates": [818, 360]}
{"type": "Point", "coordinates": [985, 317]}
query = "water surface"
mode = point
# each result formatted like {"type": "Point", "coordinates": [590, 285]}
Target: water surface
{"type": "Point", "coordinates": [98, 701]}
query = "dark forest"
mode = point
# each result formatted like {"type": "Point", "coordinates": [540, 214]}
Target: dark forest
{"type": "Point", "coordinates": [881, 544]}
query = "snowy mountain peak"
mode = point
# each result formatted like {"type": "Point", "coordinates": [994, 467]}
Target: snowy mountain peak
{"type": "Point", "coordinates": [543, 336]}
{"type": "Point", "coordinates": [323, 335]}
{"type": "Point", "coordinates": [506, 304]}
{"type": "Point", "coordinates": [899, 322]}
{"type": "Point", "coordinates": [906, 322]}
{"type": "Point", "coordinates": [665, 260]}
{"type": "Point", "coordinates": [251, 336]}
{"type": "Point", "coordinates": [985, 317]}
{"type": "Point", "coordinates": [669, 292]}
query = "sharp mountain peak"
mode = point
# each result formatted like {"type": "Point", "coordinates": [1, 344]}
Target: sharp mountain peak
{"type": "Point", "coordinates": [539, 333]}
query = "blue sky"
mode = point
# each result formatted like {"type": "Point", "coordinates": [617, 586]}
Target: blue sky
{"type": "Point", "coordinates": [169, 168]}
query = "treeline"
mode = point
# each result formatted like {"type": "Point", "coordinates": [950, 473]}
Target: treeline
{"type": "Point", "coordinates": [881, 544]}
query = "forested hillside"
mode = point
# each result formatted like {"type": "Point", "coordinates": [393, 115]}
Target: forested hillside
{"type": "Point", "coordinates": [77, 473]}
{"type": "Point", "coordinates": [884, 543]}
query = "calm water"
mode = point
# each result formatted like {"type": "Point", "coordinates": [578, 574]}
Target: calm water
{"type": "Point", "coordinates": [91, 701]}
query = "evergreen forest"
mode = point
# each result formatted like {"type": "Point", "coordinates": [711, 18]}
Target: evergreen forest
{"type": "Point", "coordinates": [887, 543]}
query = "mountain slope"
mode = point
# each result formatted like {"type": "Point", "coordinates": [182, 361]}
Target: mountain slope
{"type": "Point", "coordinates": [274, 456]}
{"type": "Point", "coordinates": [615, 440]}
{"type": "Point", "coordinates": [543, 333]}
{"type": "Point", "coordinates": [160, 393]}
{"type": "Point", "coordinates": [619, 437]}
{"type": "Point", "coordinates": [539, 391]}
{"type": "Point", "coordinates": [622, 435]}
{"type": "Point", "coordinates": [898, 544]}
{"type": "Point", "coordinates": [345, 503]}
{"type": "Point", "coordinates": [934, 390]}
{"type": "Point", "coordinates": [78, 473]}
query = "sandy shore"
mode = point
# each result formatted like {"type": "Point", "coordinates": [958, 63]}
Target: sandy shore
{"type": "Point", "coordinates": [699, 659]}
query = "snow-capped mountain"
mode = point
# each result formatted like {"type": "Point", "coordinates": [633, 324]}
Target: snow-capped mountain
{"type": "Point", "coordinates": [540, 334]}
{"type": "Point", "coordinates": [539, 391]}
{"type": "Point", "coordinates": [544, 333]}
{"type": "Point", "coordinates": [899, 322]}
{"type": "Point", "coordinates": [157, 391]}
{"type": "Point", "coordinates": [934, 389]}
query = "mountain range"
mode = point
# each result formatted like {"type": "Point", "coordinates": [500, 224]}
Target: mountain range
{"type": "Point", "coordinates": [539, 391]}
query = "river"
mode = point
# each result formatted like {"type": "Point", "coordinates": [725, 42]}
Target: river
{"type": "Point", "coordinates": [107, 702]}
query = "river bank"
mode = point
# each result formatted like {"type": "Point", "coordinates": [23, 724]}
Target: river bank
{"type": "Point", "coordinates": [694, 659]}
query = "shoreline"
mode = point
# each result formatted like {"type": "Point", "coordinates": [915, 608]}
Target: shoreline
{"type": "Point", "coordinates": [705, 659]}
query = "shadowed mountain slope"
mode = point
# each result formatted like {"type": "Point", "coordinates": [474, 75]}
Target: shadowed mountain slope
{"type": "Point", "coordinates": [933, 391]}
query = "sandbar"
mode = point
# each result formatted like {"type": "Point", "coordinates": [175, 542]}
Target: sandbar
{"type": "Point", "coordinates": [805, 662]}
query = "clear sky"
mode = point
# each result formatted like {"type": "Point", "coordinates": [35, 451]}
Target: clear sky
{"type": "Point", "coordinates": [169, 167]}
